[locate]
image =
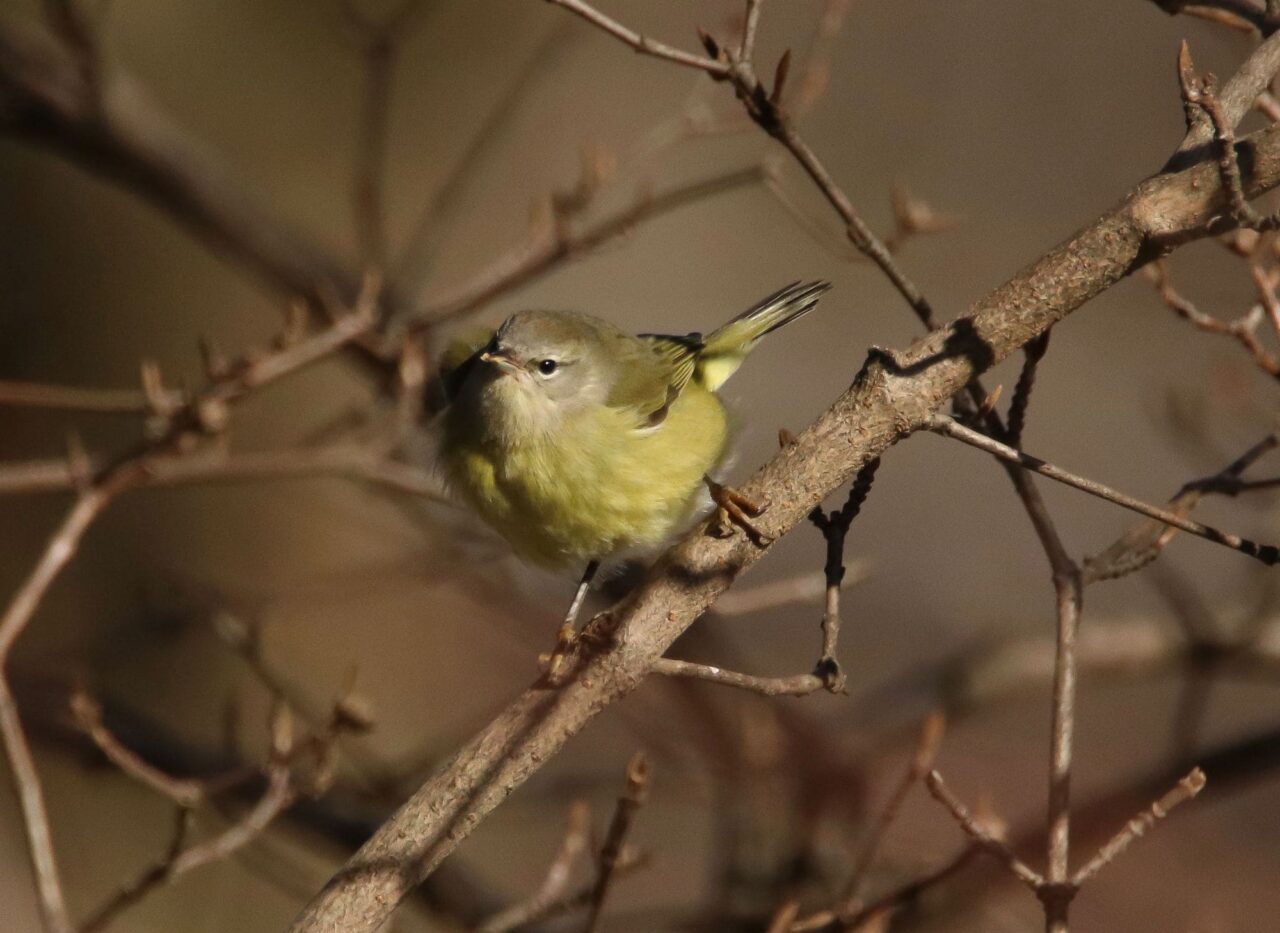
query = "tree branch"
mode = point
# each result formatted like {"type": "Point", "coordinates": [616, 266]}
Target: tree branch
{"type": "Point", "coordinates": [949, 427]}
{"type": "Point", "coordinates": [115, 131]}
{"type": "Point", "coordinates": [205, 413]}
{"type": "Point", "coordinates": [554, 242]}
{"type": "Point", "coordinates": [633, 797]}
{"type": "Point", "coordinates": [642, 44]}
{"type": "Point", "coordinates": [893, 395]}
{"type": "Point", "coordinates": [1136, 828]}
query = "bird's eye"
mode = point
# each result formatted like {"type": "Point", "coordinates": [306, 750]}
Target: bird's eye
{"type": "Point", "coordinates": [547, 367]}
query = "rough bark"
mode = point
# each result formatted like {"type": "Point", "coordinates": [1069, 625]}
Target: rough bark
{"type": "Point", "coordinates": [892, 396]}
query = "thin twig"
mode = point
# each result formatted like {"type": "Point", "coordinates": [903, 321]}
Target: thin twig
{"type": "Point", "coordinates": [835, 528]}
{"type": "Point", "coordinates": [1033, 352]}
{"type": "Point", "coordinates": [827, 673]}
{"type": "Point", "coordinates": [436, 221]}
{"type": "Point", "coordinates": [35, 817]}
{"type": "Point", "coordinates": [573, 847]}
{"type": "Point", "coordinates": [1201, 93]}
{"type": "Point", "coordinates": [949, 427]}
{"type": "Point", "coordinates": [798, 685]}
{"type": "Point", "coordinates": [1056, 893]}
{"type": "Point", "coordinates": [182, 859]}
{"type": "Point", "coordinates": [348, 459]}
{"type": "Point", "coordinates": [764, 106]}
{"type": "Point", "coordinates": [282, 789]}
{"type": "Point", "coordinates": [892, 901]}
{"type": "Point", "coordinates": [979, 833]}
{"type": "Point", "coordinates": [633, 797]}
{"type": "Point", "coordinates": [551, 243]}
{"type": "Point", "coordinates": [94, 494]}
{"type": "Point", "coordinates": [88, 716]}
{"type": "Point", "coordinates": [783, 920]}
{"type": "Point", "coordinates": [1143, 543]}
{"type": "Point", "coordinates": [883, 405]}
{"type": "Point", "coordinates": [381, 41]}
{"type": "Point", "coordinates": [789, 591]}
{"type": "Point", "coordinates": [766, 111]}
{"type": "Point", "coordinates": [1243, 329]}
{"type": "Point", "coordinates": [147, 881]}
{"type": "Point", "coordinates": [568, 902]}
{"type": "Point", "coordinates": [75, 398]}
{"type": "Point", "coordinates": [279, 795]}
{"type": "Point", "coordinates": [751, 24]}
{"type": "Point", "coordinates": [642, 44]}
{"type": "Point", "coordinates": [110, 128]}
{"type": "Point", "coordinates": [921, 763]}
{"type": "Point", "coordinates": [1136, 828]}
{"type": "Point", "coordinates": [1252, 78]}
{"type": "Point", "coordinates": [1240, 15]}
{"type": "Point", "coordinates": [57, 554]}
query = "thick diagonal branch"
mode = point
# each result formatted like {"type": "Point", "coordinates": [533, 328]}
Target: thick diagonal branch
{"type": "Point", "coordinates": [892, 396]}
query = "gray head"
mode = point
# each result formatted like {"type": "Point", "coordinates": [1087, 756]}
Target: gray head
{"type": "Point", "coordinates": [543, 363]}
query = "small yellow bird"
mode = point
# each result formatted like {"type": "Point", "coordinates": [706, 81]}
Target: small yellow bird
{"type": "Point", "coordinates": [578, 442]}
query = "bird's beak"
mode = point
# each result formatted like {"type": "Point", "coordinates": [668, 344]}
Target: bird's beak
{"type": "Point", "coordinates": [503, 360]}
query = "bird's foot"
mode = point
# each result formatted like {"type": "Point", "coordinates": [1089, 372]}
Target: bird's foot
{"type": "Point", "coordinates": [601, 632]}
{"type": "Point", "coordinates": [556, 663]}
{"type": "Point", "coordinates": [733, 508]}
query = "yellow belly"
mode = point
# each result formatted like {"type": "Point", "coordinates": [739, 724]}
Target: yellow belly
{"type": "Point", "coordinates": [595, 486]}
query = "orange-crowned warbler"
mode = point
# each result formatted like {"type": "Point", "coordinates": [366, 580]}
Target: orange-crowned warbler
{"type": "Point", "coordinates": [578, 442]}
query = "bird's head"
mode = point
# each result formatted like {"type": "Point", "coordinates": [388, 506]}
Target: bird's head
{"type": "Point", "coordinates": [541, 365]}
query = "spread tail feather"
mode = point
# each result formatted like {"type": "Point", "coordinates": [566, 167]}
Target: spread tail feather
{"type": "Point", "coordinates": [726, 347]}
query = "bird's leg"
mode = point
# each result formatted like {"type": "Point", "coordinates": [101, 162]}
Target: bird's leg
{"type": "Point", "coordinates": [568, 634]}
{"type": "Point", "coordinates": [733, 508]}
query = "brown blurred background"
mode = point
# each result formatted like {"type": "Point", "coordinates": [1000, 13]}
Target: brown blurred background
{"type": "Point", "coordinates": [1025, 120]}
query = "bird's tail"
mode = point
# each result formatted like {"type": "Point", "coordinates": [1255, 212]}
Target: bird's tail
{"type": "Point", "coordinates": [725, 348]}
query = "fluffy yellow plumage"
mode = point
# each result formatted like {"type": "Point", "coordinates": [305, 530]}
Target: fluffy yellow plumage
{"type": "Point", "coordinates": [578, 442]}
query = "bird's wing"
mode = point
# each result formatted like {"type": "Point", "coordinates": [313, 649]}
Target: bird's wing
{"type": "Point", "coordinates": [654, 371]}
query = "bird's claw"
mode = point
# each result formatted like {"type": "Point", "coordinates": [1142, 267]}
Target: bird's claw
{"type": "Point", "coordinates": [597, 635]}
{"type": "Point", "coordinates": [733, 508]}
{"type": "Point", "coordinates": [556, 664]}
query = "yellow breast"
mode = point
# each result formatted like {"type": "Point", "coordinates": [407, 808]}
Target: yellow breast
{"type": "Point", "coordinates": [594, 486]}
